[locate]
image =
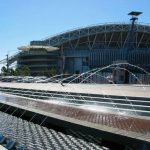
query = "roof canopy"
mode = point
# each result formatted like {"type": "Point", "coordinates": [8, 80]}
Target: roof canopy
{"type": "Point", "coordinates": [68, 36]}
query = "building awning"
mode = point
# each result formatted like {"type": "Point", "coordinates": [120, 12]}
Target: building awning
{"type": "Point", "coordinates": [48, 48]}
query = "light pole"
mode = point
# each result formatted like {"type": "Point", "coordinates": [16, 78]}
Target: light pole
{"type": "Point", "coordinates": [129, 43]}
{"type": "Point", "coordinates": [122, 75]}
{"type": "Point", "coordinates": [7, 63]}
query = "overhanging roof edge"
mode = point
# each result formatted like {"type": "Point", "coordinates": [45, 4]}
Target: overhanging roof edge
{"type": "Point", "coordinates": [28, 48]}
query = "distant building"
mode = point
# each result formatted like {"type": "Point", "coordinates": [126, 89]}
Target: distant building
{"type": "Point", "coordinates": [82, 49]}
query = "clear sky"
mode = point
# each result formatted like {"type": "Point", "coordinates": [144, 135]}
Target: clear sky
{"type": "Point", "coordinates": [24, 20]}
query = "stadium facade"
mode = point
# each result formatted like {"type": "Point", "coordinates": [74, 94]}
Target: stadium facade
{"type": "Point", "coordinates": [86, 48]}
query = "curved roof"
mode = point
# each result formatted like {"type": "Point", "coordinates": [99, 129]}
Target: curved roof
{"type": "Point", "coordinates": [91, 30]}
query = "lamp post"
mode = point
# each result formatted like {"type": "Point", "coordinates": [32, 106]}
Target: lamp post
{"type": "Point", "coordinates": [129, 43]}
{"type": "Point", "coordinates": [122, 75]}
{"type": "Point", "coordinates": [7, 64]}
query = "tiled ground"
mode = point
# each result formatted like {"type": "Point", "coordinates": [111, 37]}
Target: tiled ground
{"type": "Point", "coordinates": [37, 137]}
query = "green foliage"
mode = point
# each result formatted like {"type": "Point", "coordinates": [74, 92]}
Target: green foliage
{"type": "Point", "coordinates": [4, 71]}
{"type": "Point", "coordinates": [52, 72]}
{"type": "Point", "coordinates": [23, 71]}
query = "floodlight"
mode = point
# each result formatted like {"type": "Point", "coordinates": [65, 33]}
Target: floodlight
{"type": "Point", "coordinates": [135, 13]}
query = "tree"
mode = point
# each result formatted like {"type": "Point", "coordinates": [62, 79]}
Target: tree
{"type": "Point", "coordinates": [52, 72]}
{"type": "Point", "coordinates": [12, 72]}
{"type": "Point", "coordinates": [24, 71]}
{"type": "Point", "coordinates": [4, 71]}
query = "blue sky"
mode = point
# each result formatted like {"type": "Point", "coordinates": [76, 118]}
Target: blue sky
{"type": "Point", "coordinates": [24, 20]}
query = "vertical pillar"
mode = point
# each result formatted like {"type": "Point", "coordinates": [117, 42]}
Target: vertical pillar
{"type": "Point", "coordinates": [62, 60]}
{"type": "Point", "coordinates": [7, 63]}
{"type": "Point", "coordinates": [122, 75]}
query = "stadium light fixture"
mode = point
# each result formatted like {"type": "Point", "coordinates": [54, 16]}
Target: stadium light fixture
{"type": "Point", "coordinates": [134, 14]}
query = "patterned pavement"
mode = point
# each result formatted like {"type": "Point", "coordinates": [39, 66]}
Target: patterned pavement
{"type": "Point", "coordinates": [36, 137]}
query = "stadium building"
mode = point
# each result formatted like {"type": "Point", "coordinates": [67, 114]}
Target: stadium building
{"type": "Point", "coordinates": [64, 115]}
{"type": "Point", "coordinates": [86, 48]}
